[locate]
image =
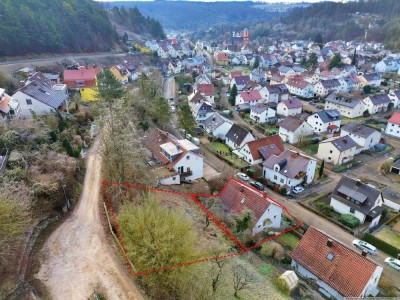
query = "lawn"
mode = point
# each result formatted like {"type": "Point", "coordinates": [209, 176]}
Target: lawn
{"type": "Point", "coordinates": [219, 147]}
{"type": "Point", "coordinates": [288, 239]}
{"type": "Point", "coordinates": [224, 151]}
{"type": "Point", "coordinates": [310, 148]}
{"type": "Point", "coordinates": [389, 236]}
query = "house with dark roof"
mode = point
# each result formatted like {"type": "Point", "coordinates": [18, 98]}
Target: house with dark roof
{"type": "Point", "coordinates": [371, 79]}
{"type": "Point", "coordinates": [217, 125]}
{"type": "Point", "coordinates": [289, 169]}
{"type": "Point", "coordinates": [395, 167]}
{"type": "Point", "coordinates": [255, 152]}
{"type": "Point", "coordinates": [393, 125]}
{"type": "Point", "coordinates": [394, 96]}
{"type": "Point", "coordinates": [262, 113]}
{"type": "Point", "coordinates": [348, 105]}
{"type": "Point", "coordinates": [337, 150]}
{"type": "Point", "coordinates": [240, 81]}
{"type": "Point", "coordinates": [275, 92]}
{"type": "Point", "coordinates": [290, 107]}
{"type": "Point", "coordinates": [325, 121]}
{"type": "Point", "coordinates": [359, 199]}
{"type": "Point", "coordinates": [325, 87]}
{"type": "Point", "coordinates": [237, 136]}
{"type": "Point", "coordinates": [181, 157]}
{"type": "Point", "coordinates": [365, 137]}
{"type": "Point", "coordinates": [202, 111]}
{"type": "Point", "coordinates": [391, 197]}
{"type": "Point", "coordinates": [293, 129]}
{"type": "Point", "coordinates": [338, 271]}
{"type": "Point", "coordinates": [121, 73]}
{"type": "Point", "coordinates": [237, 198]}
{"type": "Point", "coordinates": [377, 103]}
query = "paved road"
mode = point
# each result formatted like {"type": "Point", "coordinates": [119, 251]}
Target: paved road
{"type": "Point", "coordinates": [77, 256]}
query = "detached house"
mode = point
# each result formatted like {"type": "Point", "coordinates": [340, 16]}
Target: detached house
{"type": "Point", "coordinates": [365, 137]}
{"type": "Point", "coordinates": [255, 152]}
{"type": "Point", "coordinates": [202, 111]}
{"type": "Point", "coordinates": [206, 90]}
{"type": "Point", "coordinates": [337, 150]}
{"type": "Point", "coordinates": [240, 82]}
{"type": "Point", "coordinates": [237, 136]}
{"type": "Point", "coordinates": [393, 125]}
{"type": "Point", "coordinates": [121, 73]}
{"type": "Point", "coordinates": [359, 199]}
{"type": "Point", "coordinates": [9, 107]}
{"type": "Point", "coordinates": [290, 107]}
{"type": "Point", "coordinates": [300, 88]}
{"type": "Point", "coordinates": [83, 80]}
{"type": "Point", "coordinates": [325, 87]}
{"type": "Point", "coordinates": [217, 125]}
{"type": "Point", "coordinates": [347, 105]}
{"type": "Point", "coordinates": [325, 121]}
{"type": "Point", "coordinates": [388, 64]}
{"type": "Point", "coordinates": [372, 79]}
{"type": "Point", "coordinates": [237, 198]}
{"type": "Point", "coordinates": [377, 103]}
{"type": "Point", "coordinates": [181, 157]}
{"type": "Point", "coordinates": [338, 271]}
{"type": "Point", "coordinates": [275, 93]}
{"type": "Point", "coordinates": [261, 113]}
{"type": "Point", "coordinates": [252, 97]}
{"type": "Point", "coordinates": [293, 130]}
{"type": "Point", "coordinates": [289, 169]}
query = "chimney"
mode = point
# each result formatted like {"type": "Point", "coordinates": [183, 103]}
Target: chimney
{"type": "Point", "coordinates": [358, 182]}
{"type": "Point", "coordinates": [364, 253]}
{"type": "Point", "coordinates": [344, 141]}
{"type": "Point", "coordinates": [329, 243]}
{"type": "Point", "coordinates": [295, 154]}
{"type": "Point", "coordinates": [21, 83]}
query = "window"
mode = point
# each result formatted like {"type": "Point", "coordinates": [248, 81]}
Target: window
{"type": "Point", "coordinates": [330, 151]}
{"type": "Point", "coordinates": [329, 256]}
{"type": "Point", "coordinates": [29, 101]}
{"type": "Point", "coordinates": [275, 177]}
{"type": "Point", "coordinates": [282, 180]}
{"type": "Point", "coordinates": [352, 210]}
{"type": "Point", "coordinates": [188, 157]}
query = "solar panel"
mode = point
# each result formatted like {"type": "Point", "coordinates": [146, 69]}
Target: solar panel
{"type": "Point", "coordinates": [352, 194]}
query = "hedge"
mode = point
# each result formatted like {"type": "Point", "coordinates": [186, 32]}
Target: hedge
{"type": "Point", "coordinates": [378, 243]}
{"type": "Point", "coordinates": [349, 220]}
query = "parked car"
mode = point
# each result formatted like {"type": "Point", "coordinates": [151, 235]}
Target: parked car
{"type": "Point", "coordinates": [365, 246]}
{"type": "Point", "coordinates": [243, 176]}
{"type": "Point", "coordinates": [173, 109]}
{"type": "Point", "coordinates": [171, 99]}
{"type": "Point", "coordinates": [320, 106]}
{"type": "Point", "coordinates": [258, 185]}
{"type": "Point", "coordinates": [394, 263]}
{"type": "Point", "coordinates": [298, 189]}
{"type": "Point", "coordinates": [312, 103]}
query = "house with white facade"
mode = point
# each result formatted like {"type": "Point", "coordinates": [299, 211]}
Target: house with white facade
{"type": "Point", "coordinates": [300, 88]}
{"type": "Point", "coordinates": [261, 113]}
{"type": "Point", "coordinates": [237, 136]}
{"type": "Point", "coordinates": [289, 169]}
{"type": "Point", "coordinates": [337, 150]}
{"type": "Point", "coordinates": [206, 90]}
{"type": "Point", "coordinates": [163, 52]}
{"type": "Point", "coordinates": [202, 111]}
{"type": "Point", "coordinates": [237, 198]}
{"type": "Point", "coordinates": [292, 130]}
{"type": "Point", "coordinates": [290, 107]}
{"type": "Point", "coordinates": [325, 87]}
{"type": "Point", "coordinates": [393, 125]}
{"type": "Point", "coordinates": [9, 107]}
{"type": "Point", "coordinates": [377, 103]}
{"type": "Point", "coordinates": [372, 79]}
{"type": "Point", "coordinates": [275, 92]}
{"type": "Point", "coordinates": [338, 271]}
{"type": "Point", "coordinates": [348, 105]}
{"type": "Point", "coordinates": [240, 82]}
{"type": "Point", "coordinates": [325, 121]}
{"type": "Point", "coordinates": [251, 98]}
{"type": "Point", "coordinates": [217, 125]}
{"type": "Point", "coordinates": [394, 96]}
{"type": "Point", "coordinates": [388, 64]}
{"type": "Point", "coordinates": [181, 157]}
{"type": "Point", "coordinates": [359, 199]}
{"type": "Point", "coordinates": [391, 198]}
{"type": "Point", "coordinates": [365, 137]}
{"type": "Point", "coordinates": [255, 152]}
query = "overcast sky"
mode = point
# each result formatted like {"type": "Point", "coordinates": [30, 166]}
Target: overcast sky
{"type": "Point", "coordinates": [268, 1]}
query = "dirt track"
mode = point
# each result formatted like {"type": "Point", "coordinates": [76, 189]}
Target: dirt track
{"type": "Point", "coordinates": [77, 257]}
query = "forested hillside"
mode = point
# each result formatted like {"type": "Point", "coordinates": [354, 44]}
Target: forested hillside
{"type": "Point", "coordinates": [53, 26]}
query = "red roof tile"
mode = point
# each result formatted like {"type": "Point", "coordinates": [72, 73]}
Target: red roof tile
{"type": "Point", "coordinates": [81, 74]}
{"type": "Point", "coordinates": [222, 56]}
{"type": "Point", "coordinates": [395, 118]}
{"type": "Point", "coordinates": [206, 89]}
{"type": "Point", "coordinates": [235, 73]}
{"type": "Point", "coordinates": [273, 145]}
{"type": "Point", "coordinates": [348, 272]}
{"type": "Point", "coordinates": [251, 96]}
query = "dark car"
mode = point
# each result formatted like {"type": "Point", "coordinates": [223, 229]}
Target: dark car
{"type": "Point", "coordinates": [258, 185]}
{"type": "Point", "coordinates": [320, 106]}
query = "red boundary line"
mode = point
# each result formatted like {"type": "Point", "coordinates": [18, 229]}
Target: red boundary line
{"type": "Point", "coordinates": [194, 198]}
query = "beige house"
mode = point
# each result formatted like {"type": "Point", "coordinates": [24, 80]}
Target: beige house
{"type": "Point", "coordinates": [347, 105]}
{"type": "Point", "coordinates": [338, 150]}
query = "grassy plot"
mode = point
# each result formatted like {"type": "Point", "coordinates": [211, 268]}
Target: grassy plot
{"type": "Point", "coordinates": [389, 236]}
{"type": "Point", "coordinates": [288, 239]}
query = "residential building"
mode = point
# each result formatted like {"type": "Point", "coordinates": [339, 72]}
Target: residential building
{"type": "Point", "coordinates": [255, 152]}
{"type": "Point", "coordinates": [290, 107]}
{"type": "Point", "coordinates": [337, 150]}
{"type": "Point", "coordinates": [365, 137]}
{"type": "Point", "coordinates": [240, 82]}
{"type": "Point", "coordinates": [289, 169]}
{"type": "Point", "coordinates": [395, 167]}
{"type": "Point", "coordinates": [391, 197]}
{"type": "Point", "coordinates": [372, 79]}
{"type": "Point", "coordinates": [325, 87]}
{"type": "Point", "coordinates": [388, 64]}
{"type": "Point", "coordinates": [251, 98]}
{"type": "Point", "coordinates": [121, 73]}
{"type": "Point", "coordinates": [275, 93]}
{"type": "Point", "coordinates": [394, 96]}
{"type": "Point", "coordinates": [217, 125]}
{"type": "Point", "coordinates": [338, 271]}
{"type": "Point", "coordinates": [301, 88]}
{"type": "Point", "coordinates": [377, 103]}
{"type": "Point", "coordinates": [202, 111]}
{"type": "Point", "coordinates": [348, 105]}
{"type": "Point", "coordinates": [325, 121]}
{"type": "Point", "coordinates": [393, 125]}
{"type": "Point", "coordinates": [84, 80]}
{"type": "Point", "coordinates": [9, 107]}
{"type": "Point", "coordinates": [358, 199]}
{"type": "Point", "coordinates": [237, 198]}
{"type": "Point", "coordinates": [261, 113]}
{"type": "Point", "coordinates": [292, 130]}
{"type": "Point", "coordinates": [237, 136]}
{"type": "Point", "coordinates": [181, 157]}
{"type": "Point", "coordinates": [206, 90]}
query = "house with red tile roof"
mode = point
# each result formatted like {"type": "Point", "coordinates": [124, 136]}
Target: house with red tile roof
{"type": "Point", "coordinates": [84, 80]}
{"type": "Point", "coordinates": [255, 152]}
{"type": "Point", "coordinates": [252, 97]}
{"type": "Point", "coordinates": [206, 90]}
{"type": "Point", "coordinates": [238, 198]}
{"type": "Point", "coordinates": [337, 270]}
{"type": "Point", "coordinates": [222, 58]}
{"type": "Point", "coordinates": [181, 157]}
{"type": "Point", "coordinates": [299, 87]}
{"type": "Point", "coordinates": [290, 107]}
{"type": "Point", "coordinates": [393, 125]}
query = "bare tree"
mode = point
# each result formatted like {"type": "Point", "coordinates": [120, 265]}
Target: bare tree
{"type": "Point", "coordinates": [242, 278]}
{"type": "Point", "coordinates": [216, 271]}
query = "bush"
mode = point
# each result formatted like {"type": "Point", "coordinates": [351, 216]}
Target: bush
{"type": "Point", "coordinates": [324, 208]}
{"type": "Point", "coordinates": [349, 220]}
{"type": "Point", "coordinates": [273, 250]}
{"type": "Point", "coordinates": [378, 243]}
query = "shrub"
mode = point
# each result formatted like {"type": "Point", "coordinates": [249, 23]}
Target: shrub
{"type": "Point", "coordinates": [349, 220]}
{"type": "Point", "coordinates": [273, 250]}
{"type": "Point", "coordinates": [378, 243]}
{"type": "Point", "coordinates": [324, 208]}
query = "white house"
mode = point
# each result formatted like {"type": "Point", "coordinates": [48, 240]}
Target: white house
{"type": "Point", "coordinates": [275, 93]}
{"type": "Point", "coordinates": [338, 271]}
{"type": "Point", "coordinates": [388, 64]}
{"type": "Point", "coordinates": [359, 199]}
{"type": "Point", "coordinates": [290, 107]}
{"type": "Point", "coordinates": [240, 82]}
{"type": "Point", "coordinates": [394, 96]}
{"type": "Point", "coordinates": [365, 137]}
{"type": "Point", "coordinates": [217, 125]}
{"type": "Point", "coordinates": [163, 52]}
{"type": "Point", "coordinates": [261, 113]}
{"type": "Point", "coordinates": [289, 169]}
{"type": "Point", "coordinates": [391, 198]}
{"type": "Point", "coordinates": [237, 198]}
{"type": "Point", "coordinates": [202, 111]}
{"type": "Point", "coordinates": [293, 130]}
{"type": "Point", "coordinates": [9, 107]}
{"type": "Point", "coordinates": [371, 79]}
{"type": "Point", "coordinates": [237, 136]}
{"type": "Point", "coordinates": [393, 125]}
{"type": "Point", "coordinates": [377, 103]}
{"type": "Point", "coordinates": [347, 105]}
{"type": "Point", "coordinates": [252, 97]}
{"type": "Point", "coordinates": [179, 156]}
{"type": "Point", "coordinates": [300, 88]}
{"type": "Point", "coordinates": [255, 152]}
{"type": "Point", "coordinates": [206, 90]}
{"type": "Point", "coordinates": [325, 87]}
{"type": "Point", "coordinates": [337, 150]}
{"type": "Point", "coordinates": [325, 121]}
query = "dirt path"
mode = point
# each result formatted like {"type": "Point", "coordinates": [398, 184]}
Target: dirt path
{"type": "Point", "coordinates": [77, 257]}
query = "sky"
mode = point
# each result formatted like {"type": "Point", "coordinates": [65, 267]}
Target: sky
{"type": "Point", "coordinates": [266, 1]}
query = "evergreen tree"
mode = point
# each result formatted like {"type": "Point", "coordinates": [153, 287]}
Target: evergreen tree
{"type": "Point", "coordinates": [354, 58]}
{"type": "Point", "coordinates": [186, 120]}
{"type": "Point", "coordinates": [256, 62]}
{"type": "Point", "coordinates": [67, 146]}
{"type": "Point", "coordinates": [321, 169]}
{"type": "Point", "coordinates": [161, 112]}
{"type": "Point", "coordinates": [335, 62]}
{"type": "Point", "coordinates": [318, 39]}
{"type": "Point", "coordinates": [232, 94]}
{"type": "Point", "coordinates": [109, 88]}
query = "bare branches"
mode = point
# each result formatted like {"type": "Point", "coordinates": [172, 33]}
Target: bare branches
{"type": "Point", "coordinates": [241, 276]}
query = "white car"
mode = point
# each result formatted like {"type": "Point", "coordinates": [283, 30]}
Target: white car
{"type": "Point", "coordinates": [298, 189]}
{"type": "Point", "coordinates": [394, 263]}
{"type": "Point", "coordinates": [365, 246]}
{"type": "Point", "coordinates": [242, 176]}
{"type": "Point", "coordinates": [173, 109]}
